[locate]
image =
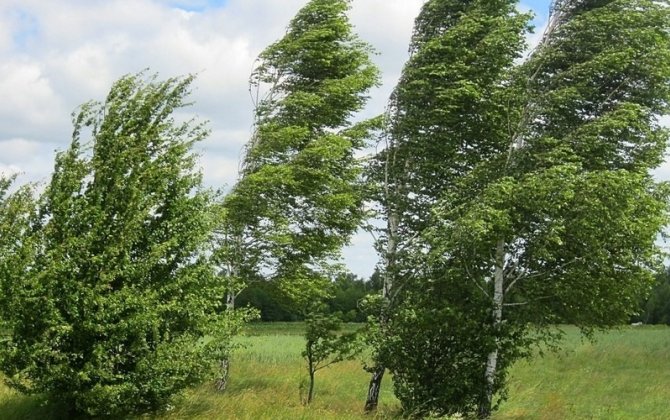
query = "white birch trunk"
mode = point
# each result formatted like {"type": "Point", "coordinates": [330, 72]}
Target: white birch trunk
{"type": "Point", "coordinates": [374, 387]}
{"type": "Point", "coordinates": [392, 222]}
{"type": "Point", "coordinates": [498, 300]}
{"type": "Point", "coordinates": [391, 249]}
{"type": "Point", "coordinates": [224, 364]}
{"type": "Point", "coordinates": [230, 301]}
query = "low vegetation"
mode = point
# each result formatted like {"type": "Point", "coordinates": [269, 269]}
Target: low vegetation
{"type": "Point", "coordinates": [625, 374]}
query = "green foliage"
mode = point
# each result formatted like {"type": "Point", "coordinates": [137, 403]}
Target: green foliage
{"type": "Point", "coordinates": [270, 300]}
{"type": "Point", "coordinates": [438, 342]}
{"type": "Point", "coordinates": [556, 247]}
{"type": "Point", "coordinates": [324, 346]}
{"type": "Point", "coordinates": [16, 211]}
{"type": "Point", "coordinates": [346, 292]}
{"type": "Point", "coordinates": [656, 308]}
{"type": "Point", "coordinates": [119, 308]}
{"type": "Point", "coordinates": [527, 199]}
{"type": "Point", "coordinates": [445, 113]}
{"type": "Point", "coordinates": [299, 196]}
{"type": "Point", "coordinates": [448, 113]}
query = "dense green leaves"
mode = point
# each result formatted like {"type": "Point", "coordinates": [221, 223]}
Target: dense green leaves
{"type": "Point", "coordinates": [16, 211]}
{"type": "Point", "coordinates": [527, 199]}
{"type": "Point", "coordinates": [120, 309]}
{"type": "Point", "coordinates": [597, 86]}
{"type": "Point", "coordinates": [299, 198]}
{"type": "Point", "coordinates": [656, 309]}
{"type": "Point", "coordinates": [449, 112]}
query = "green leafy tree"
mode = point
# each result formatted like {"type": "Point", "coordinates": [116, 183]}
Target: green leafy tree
{"type": "Point", "coordinates": [270, 300]}
{"type": "Point", "coordinates": [324, 346]}
{"type": "Point", "coordinates": [16, 212]}
{"type": "Point", "coordinates": [274, 305]}
{"type": "Point", "coordinates": [299, 196]}
{"type": "Point", "coordinates": [656, 308]}
{"type": "Point", "coordinates": [553, 217]}
{"type": "Point", "coordinates": [348, 293]}
{"type": "Point", "coordinates": [120, 308]}
{"type": "Point", "coordinates": [445, 116]}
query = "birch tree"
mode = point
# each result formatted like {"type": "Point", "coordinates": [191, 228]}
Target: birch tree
{"type": "Point", "coordinates": [444, 118]}
{"type": "Point", "coordinates": [558, 223]}
{"type": "Point", "coordinates": [299, 196]}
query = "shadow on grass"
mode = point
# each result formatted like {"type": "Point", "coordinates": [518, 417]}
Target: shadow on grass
{"type": "Point", "coordinates": [20, 407]}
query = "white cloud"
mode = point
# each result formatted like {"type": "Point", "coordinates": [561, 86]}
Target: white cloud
{"type": "Point", "coordinates": [17, 149]}
{"type": "Point", "coordinates": [28, 98]}
{"type": "Point", "coordinates": [6, 30]}
{"type": "Point", "coordinates": [360, 255]}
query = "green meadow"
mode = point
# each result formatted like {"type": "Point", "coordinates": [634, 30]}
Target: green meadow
{"type": "Point", "coordinates": [625, 374]}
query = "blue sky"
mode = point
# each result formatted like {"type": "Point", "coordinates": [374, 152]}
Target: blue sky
{"type": "Point", "coordinates": [198, 5]}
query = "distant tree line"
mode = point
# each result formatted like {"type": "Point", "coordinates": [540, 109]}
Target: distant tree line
{"type": "Point", "coordinates": [347, 294]}
{"type": "Point", "coordinates": [656, 308]}
{"type": "Point", "coordinates": [350, 290]}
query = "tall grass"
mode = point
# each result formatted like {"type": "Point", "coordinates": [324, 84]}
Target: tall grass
{"type": "Point", "coordinates": [624, 375]}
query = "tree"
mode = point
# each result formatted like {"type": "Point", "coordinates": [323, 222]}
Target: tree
{"type": "Point", "coordinates": [442, 120]}
{"type": "Point", "coordinates": [348, 292]}
{"type": "Point", "coordinates": [656, 308]}
{"type": "Point", "coordinates": [16, 211]}
{"type": "Point", "coordinates": [558, 222]}
{"type": "Point", "coordinates": [324, 346]}
{"type": "Point", "coordinates": [120, 308]}
{"type": "Point", "coordinates": [299, 196]}
{"type": "Point", "coordinates": [271, 302]}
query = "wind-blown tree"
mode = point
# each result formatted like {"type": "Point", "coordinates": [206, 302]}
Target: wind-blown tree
{"type": "Point", "coordinates": [299, 196]}
{"type": "Point", "coordinates": [16, 210]}
{"type": "Point", "coordinates": [445, 116]}
{"type": "Point", "coordinates": [558, 223]}
{"type": "Point", "coordinates": [120, 308]}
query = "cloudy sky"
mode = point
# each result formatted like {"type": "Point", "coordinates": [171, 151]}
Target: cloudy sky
{"type": "Point", "coordinates": [55, 55]}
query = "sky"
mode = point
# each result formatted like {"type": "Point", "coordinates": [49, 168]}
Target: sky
{"type": "Point", "coordinates": [56, 55]}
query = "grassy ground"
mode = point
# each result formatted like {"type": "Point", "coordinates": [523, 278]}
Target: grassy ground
{"type": "Point", "coordinates": [625, 375]}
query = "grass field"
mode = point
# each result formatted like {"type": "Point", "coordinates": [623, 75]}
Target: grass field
{"type": "Point", "coordinates": [624, 375]}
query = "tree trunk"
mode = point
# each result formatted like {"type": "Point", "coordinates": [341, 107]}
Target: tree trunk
{"type": "Point", "coordinates": [230, 300]}
{"type": "Point", "coordinates": [222, 382]}
{"type": "Point", "coordinates": [485, 406]}
{"type": "Point", "coordinates": [224, 364]}
{"type": "Point", "coordinates": [372, 400]}
{"type": "Point", "coordinates": [310, 392]}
